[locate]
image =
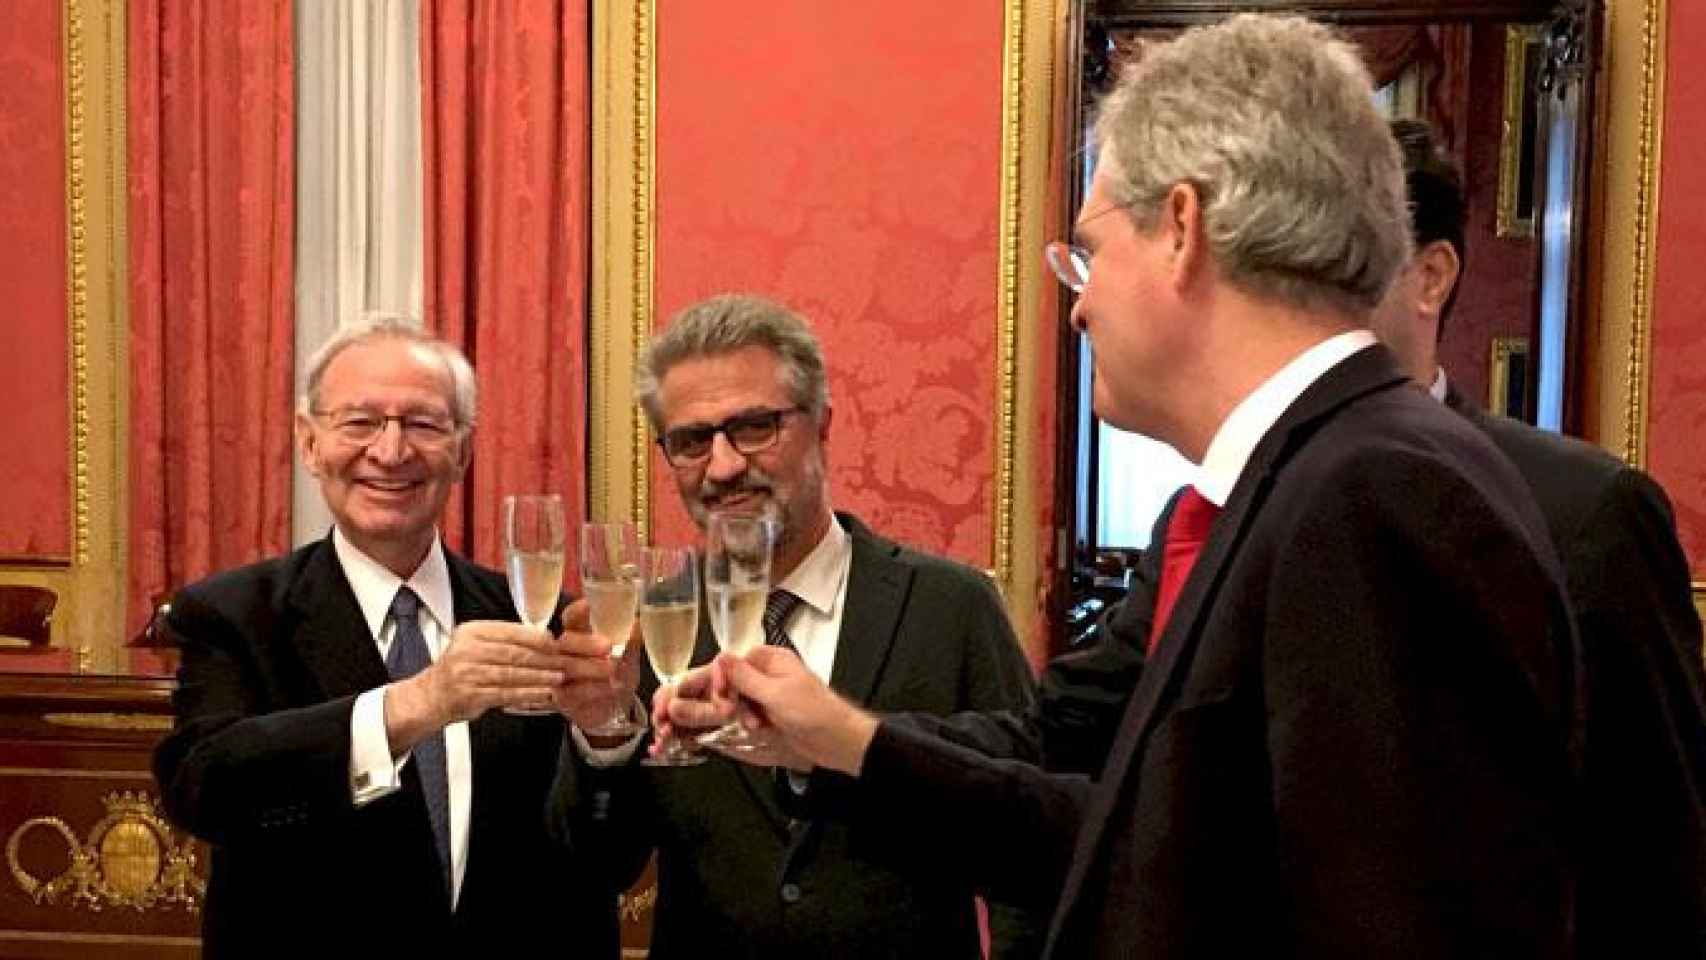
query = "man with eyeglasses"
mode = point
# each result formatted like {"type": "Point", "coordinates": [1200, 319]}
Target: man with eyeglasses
{"type": "Point", "coordinates": [736, 390]}
{"type": "Point", "coordinates": [334, 742]}
{"type": "Point", "coordinates": [1355, 726]}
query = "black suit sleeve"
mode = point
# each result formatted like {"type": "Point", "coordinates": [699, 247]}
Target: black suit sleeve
{"type": "Point", "coordinates": [1646, 742]}
{"type": "Point", "coordinates": [229, 772]}
{"type": "Point", "coordinates": [603, 816]}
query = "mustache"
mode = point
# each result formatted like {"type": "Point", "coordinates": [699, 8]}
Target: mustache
{"type": "Point", "coordinates": [752, 481]}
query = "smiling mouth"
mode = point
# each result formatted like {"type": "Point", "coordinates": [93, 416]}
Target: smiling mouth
{"type": "Point", "coordinates": [735, 499]}
{"type": "Point", "coordinates": [390, 486]}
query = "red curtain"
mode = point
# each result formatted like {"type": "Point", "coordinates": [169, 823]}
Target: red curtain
{"type": "Point", "coordinates": [211, 188]}
{"type": "Point", "coordinates": [507, 219]}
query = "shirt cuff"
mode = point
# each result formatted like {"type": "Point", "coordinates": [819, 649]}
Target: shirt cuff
{"type": "Point", "coordinates": [604, 756]}
{"type": "Point", "coordinates": [373, 773]}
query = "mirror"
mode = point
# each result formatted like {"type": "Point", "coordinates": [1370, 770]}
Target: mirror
{"type": "Point", "coordinates": [1506, 87]}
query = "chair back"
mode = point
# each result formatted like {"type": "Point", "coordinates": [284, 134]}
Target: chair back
{"type": "Point", "coordinates": [26, 612]}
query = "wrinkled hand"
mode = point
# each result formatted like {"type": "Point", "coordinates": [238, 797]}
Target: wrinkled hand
{"type": "Point", "coordinates": [487, 664]}
{"type": "Point", "coordinates": [597, 685]}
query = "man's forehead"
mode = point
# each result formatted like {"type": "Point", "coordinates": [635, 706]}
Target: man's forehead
{"type": "Point", "coordinates": [385, 368]}
{"type": "Point", "coordinates": [710, 387]}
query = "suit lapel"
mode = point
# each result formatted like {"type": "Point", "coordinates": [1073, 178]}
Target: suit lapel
{"type": "Point", "coordinates": [877, 586]}
{"type": "Point", "coordinates": [1362, 373]}
{"type": "Point", "coordinates": [331, 635]}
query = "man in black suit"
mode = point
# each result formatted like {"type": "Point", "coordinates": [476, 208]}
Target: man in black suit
{"type": "Point", "coordinates": [737, 392]}
{"type": "Point", "coordinates": [333, 741]}
{"type": "Point", "coordinates": [1355, 732]}
{"type": "Point", "coordinates": [1644, 831]}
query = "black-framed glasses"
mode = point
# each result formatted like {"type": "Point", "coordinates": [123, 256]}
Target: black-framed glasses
{"type": "Point", "coordinates": [361, 426]}
{"type": "Point", "coordinates": [751, 432]}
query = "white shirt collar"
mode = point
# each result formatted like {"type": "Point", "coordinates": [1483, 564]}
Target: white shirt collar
{"type": "Point", "coordinates": [818, 578]}
{"type": "Point", "coordinates": [1437, 389]}
{"type": "Point", "coordinates": [375, 586]}
{"type": "Point", "coordinates": [1256, 414]}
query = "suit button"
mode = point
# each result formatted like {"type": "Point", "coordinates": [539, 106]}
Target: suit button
{"type": "Point", "coordinates": [790, 893]}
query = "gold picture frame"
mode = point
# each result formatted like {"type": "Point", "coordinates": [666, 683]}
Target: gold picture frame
{"type": "Point", "coordinates": [1509, 379]}
{"type": "Point", "coordinates": [1525, 51]}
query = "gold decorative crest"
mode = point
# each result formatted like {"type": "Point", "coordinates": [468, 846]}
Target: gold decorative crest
{"type": "Point", "coordinates": [131, 859]}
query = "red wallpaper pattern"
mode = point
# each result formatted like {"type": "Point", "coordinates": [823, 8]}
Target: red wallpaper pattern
{"type": "Point", "coordinates": [845, 159]}
{"type": "Point", "coordinates": [1676, 422]}
{"type": "Point", "coordinates": [35, 482]}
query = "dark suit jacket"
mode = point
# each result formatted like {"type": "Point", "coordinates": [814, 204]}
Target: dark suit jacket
{"type": "Point", "coordinates": [1644, 866]}
{"type": "Point", "coordinates": [274, 655]}
{"type": "Point", "coordinates": [1360, 733]}
{"type": "Point", "coordinates": [738, 876]}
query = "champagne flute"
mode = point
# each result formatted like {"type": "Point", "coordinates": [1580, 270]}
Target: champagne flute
{"type": "Point", "coordinates": [533, 557]}
{"type": "Point", "coordinates": [669, 621]}
{"type": "Point", "coordinates": [610, 577]}
{"type": "Point", "coordinates": [737, 584]}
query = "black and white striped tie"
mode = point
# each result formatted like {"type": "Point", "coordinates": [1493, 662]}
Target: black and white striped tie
{"type": "Point", "coordinates": [777, 608]}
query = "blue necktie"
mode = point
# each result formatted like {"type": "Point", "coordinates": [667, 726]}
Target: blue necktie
{"type": "Point", "coordinates": [409, 656]}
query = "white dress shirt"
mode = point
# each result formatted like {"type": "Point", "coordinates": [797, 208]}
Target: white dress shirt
{"type": "Point", "coordinates": [373, 771]}
{"type": "Point", "coordinates": [1256, 414]}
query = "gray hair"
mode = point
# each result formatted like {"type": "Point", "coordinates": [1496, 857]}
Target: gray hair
{"type": "Point", "coordinates": [730, 322]}
{"type": "Point", "coordinates": [1272, 120]}
{"type": "Point", "coordinates": [463, 399]}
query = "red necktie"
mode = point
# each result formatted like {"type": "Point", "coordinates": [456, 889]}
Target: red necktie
{"type": "Point", "coordinates": [1187, 531]}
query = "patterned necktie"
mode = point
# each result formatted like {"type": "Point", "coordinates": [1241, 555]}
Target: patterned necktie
{"type": "Point", "coordinates": [1187, 531]}
{"type": "Point", "coordinates": [777, 608]}
{"type": "Point", "coordinates": [407, 657]}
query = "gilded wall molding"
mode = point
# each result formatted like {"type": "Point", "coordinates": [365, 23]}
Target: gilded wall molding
{"type": "Point", "coordinates": [132, 859]}
{"type": "Point", "coordinates": [90, 584]}
{"type": "Point", "coordinates": [624, 107]}
{"type": "Point", "coordinates": [1631, 145]}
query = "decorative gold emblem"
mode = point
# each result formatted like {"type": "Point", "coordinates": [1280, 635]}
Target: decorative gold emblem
{"type": "Point", "coordinates": [633, 907]}
{"type": "Point", "coordinates": [131, 860]}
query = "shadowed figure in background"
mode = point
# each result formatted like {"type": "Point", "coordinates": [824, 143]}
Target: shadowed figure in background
{"type": "Point", "coordinates": [1644, 830]}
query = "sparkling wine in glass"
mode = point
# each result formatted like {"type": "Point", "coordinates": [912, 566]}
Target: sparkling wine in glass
{"type": "Point", "coordinates": [737, 583]}
{"type": "Point", "coordinates": [669, 621]}
{"type": "Point", "coordinates": [610, 578]}
{"type": "Point", "coordinates": [533, 557]}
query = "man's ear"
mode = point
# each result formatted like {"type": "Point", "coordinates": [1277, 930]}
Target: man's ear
{"type": "Point", "coordinates": [1182, 224]}
{"type": "Point", "coordinates": [307, 444]}
{"type": "Point", "coordinates": [1437, 268]}
{"type": "Point", "coordinates": [464, 452]}
{"type": "Point", "coordinates": [823, 428]}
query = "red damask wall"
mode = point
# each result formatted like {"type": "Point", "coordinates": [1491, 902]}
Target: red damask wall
{"type": "Point", "coordinates": [844, 158]}
{"type": "Point", "coordinates": [35, 485]}
{"type": "Point", "coordinates": [1676, 423]}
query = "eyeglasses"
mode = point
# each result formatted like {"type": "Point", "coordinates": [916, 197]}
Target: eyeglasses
{"type": "Point", "coordinates": [1070, 263]}
{"type": "Point", "coordinates": [362, 427]}
{"type": "Point", "coordinates": [748, 433]}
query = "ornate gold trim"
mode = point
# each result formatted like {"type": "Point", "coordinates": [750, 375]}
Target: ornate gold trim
{"type": "Point", "coordinates": [1499, 374]}
{"type": "Point", "coordinates": [624, 106]}
{"type": "Point", "coordinates": [1627, 185]}
{"type": "Point", "coordinates": [57, 773]}
{"type": "Point", "coordinates": [131, 859]}
{"type": "Point", "coordinates": [644, 239]}
{"type": "Point", "coordinates": [1013, 166]}
{"type": "Point", "coordinates": [1517, 39]}
{"type": "Point", "coordinates": [138, 939]}
{"type": "Point", "coordinates": [77, 278]}
{"type": "Point", "coordinates": [1646, 231]}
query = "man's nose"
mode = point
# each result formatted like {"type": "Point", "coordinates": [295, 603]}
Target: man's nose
{"type": "Point", "coordinates": [389, 446]}
{"type": "Point", "coordinates": [725, 462]}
